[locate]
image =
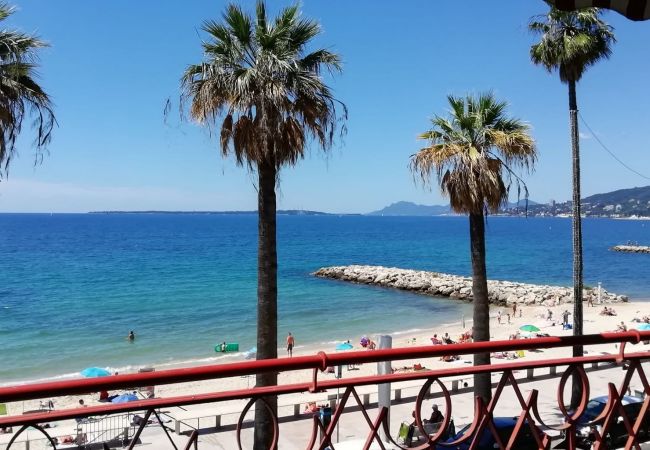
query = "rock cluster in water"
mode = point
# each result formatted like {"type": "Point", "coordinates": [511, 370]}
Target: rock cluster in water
{"type": "Point", "coordinates": [454, 286]}
{"type": "Point", "coordinates": [631, 248]}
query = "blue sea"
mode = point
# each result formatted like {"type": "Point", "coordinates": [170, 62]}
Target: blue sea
{"type": "Point", "coordinates": [73, 285]}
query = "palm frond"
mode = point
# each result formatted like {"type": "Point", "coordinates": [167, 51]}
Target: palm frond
{"type": "Point", "coordinates": [21, 96]}
{"type": "Point", "coordinates": [571, 41]}
{"type": "Point", "coordinates": [259, 79]}
{"type": "Point", "coordinates": [473, 152]}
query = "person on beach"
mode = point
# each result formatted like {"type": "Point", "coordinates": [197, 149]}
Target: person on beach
{"type": "Point", "coordinates": [565, 318]}
{"type": "Point", "coordinates": [514, 310]}
{"type": "Point", "coordinates": [499, 317]}
{"type": "Point", "coordinates": [290, 343]}
{"type": "Point", "coordinates": [508, 316]}
{"type": "Point", "coordinates": [549, 315]}
{"type": "Point", "coordinates": [621, 327]}
{"type": "Point", "coordinates": [436, 415]}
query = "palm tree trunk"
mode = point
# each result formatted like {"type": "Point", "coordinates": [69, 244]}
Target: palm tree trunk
{"type": "Point", "coordinates": [481, 330]}
{"type": "Point", "coordinates": [267, 299]}
{"type": "Point", "coordinates": [576, 389]}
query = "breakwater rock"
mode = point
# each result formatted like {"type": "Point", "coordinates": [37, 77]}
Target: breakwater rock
{"type": "Point", "coordinates": [631, 248]}
{"type": "Point", "coordinates": [454, 286]}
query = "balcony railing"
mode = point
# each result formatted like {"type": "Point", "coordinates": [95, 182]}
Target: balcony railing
{"type": "Point", "coordinates": [318, 434]}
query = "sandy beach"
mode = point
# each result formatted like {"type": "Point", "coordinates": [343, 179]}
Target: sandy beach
{"type": "Point", "coordinates": [594, 322]}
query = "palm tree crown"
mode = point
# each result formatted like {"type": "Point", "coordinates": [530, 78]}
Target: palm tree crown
{"type": "Point", "coordinates": [571, 41]}
{"type": "Point", "coordinates": [20, 94]}
{"type": "Point", "coordinates": [474, 152]}
{"type": "Point", "coordinates": [258, 76]}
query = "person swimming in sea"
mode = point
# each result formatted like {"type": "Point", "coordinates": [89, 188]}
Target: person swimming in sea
{"type": "Point", "coordinates": [131, 336]}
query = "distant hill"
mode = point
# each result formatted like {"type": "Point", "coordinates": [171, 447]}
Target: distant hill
{"type": "Point", "coordinates": [620, 203]}
{"type": "Point", "coordinates": [411, 209]}
{"type": "Point", "coordinates": [637, 194]}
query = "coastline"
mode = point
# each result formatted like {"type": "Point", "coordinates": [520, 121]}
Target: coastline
{"type": "Point", "coordinates": [593, 322]}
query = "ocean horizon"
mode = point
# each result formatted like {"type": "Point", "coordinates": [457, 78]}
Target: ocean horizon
{"type": "Point", "coordinates": [73, 285]}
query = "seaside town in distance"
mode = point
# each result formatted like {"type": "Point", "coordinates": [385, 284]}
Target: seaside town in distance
{"type": "Point", "coordinates": [624, 203]}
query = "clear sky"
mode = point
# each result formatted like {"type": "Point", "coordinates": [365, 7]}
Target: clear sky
{"type": "Point", "coordinates": [112, 65]}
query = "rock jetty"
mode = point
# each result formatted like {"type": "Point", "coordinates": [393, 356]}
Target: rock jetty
{"type": "Point", "coordinates": [631, 248]}
{"type": "Point", "coordinates": [457, 287]}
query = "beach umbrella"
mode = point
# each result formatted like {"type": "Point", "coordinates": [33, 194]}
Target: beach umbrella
{"type": "Point", "coordinates": [125, 398]}
{"type": "Point", "coordinates": [92, 372]}
{"type": "Point", "coordinates": [529, 328]}
{"type": "Point", "coordinates": [344, 346]}
{"type": "Point", "coordinates": [644, 327]}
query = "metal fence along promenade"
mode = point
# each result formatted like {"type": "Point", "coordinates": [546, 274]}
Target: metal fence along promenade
{"type": "Point", "coordinates": [319, 434]}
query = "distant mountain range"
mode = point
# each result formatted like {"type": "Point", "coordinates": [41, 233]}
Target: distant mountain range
{"type": "Point", "coordinates": [281, 212]}
{"type": "Point", "coordinates": [413, 209]}
{"type": "Point", "coordinates": [620, 203]}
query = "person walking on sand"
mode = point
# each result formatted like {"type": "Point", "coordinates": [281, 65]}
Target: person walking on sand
{"type": "Point", "coordinates": [514, 310]}
{"type": "Point", "coordinates": [499, 317]}
{"type": "Point", "coordinates": [290, 343]}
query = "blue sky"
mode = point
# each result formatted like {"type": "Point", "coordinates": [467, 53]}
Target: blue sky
{"type": "Point", "coordinates": [112, 65]}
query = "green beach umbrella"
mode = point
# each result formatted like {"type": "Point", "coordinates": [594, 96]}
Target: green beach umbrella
{"type": "Point", "coordinates": [529, 328]}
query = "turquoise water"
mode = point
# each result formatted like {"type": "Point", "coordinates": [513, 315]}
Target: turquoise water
{"type": "Point", "coordinates": [72, 286]}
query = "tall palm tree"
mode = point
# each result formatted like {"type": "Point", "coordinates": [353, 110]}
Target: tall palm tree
{"type": "Point", "coordinates": [473, 153]}
{"type": "Point", "coordinates": [570, 43]}
{"type": "Point", "coordinates": [258, 82]}
{"type": "Point", "coordinates": [20, 94]}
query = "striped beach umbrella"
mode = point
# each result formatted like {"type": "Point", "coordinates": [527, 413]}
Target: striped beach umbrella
{"type": "Point", "coordinates": [632, 9]}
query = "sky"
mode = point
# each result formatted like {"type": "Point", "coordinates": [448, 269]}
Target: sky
{"type": "Point", "coordinates": [112, 65]}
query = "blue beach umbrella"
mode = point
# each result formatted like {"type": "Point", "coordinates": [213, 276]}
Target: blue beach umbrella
{"type": "Point", "coordinates": [125, 398]}
{"type": "Point", "coordinates": [92, 372]}
{"type": "Point", "coordinates": [344, 346]}
{"type": "Point", "coordinates": [644, 327]}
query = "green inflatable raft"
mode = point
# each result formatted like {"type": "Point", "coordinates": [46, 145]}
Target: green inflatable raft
{"type": "Point", "coordinates": [226, 347]}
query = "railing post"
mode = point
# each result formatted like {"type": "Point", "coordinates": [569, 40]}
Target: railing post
{"type": "Point", "coordinates": [553, 370]}
{"type": "Point", "coordinates": [217, 421]}
{"type": "Point", "coordinates": [296, 409]}
{"type": "Point", "coordinates": [177, 426]}
{"type": "Point", "coordinates": [383, 390]}
{"type": "Point", "coordinates": [454, 385]}
{"type": "Point", "coordinates": [530, 374]}
{"type": "Point", "coordinates": [366, 399]}
{"type": "Point", "coordinates": [332, 400]}
{"type": "Point", "coordinates": [398, 395]}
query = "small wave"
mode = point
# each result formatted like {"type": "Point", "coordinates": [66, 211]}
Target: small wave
{"type": "Point", "coordinates": [411, 331]}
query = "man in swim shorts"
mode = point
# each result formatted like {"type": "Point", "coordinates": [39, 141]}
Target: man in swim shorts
{"type": "Point", "coordinates": [290, 343]}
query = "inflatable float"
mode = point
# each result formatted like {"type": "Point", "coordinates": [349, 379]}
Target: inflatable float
{"type": "Point", "coordinates": [226, 347]}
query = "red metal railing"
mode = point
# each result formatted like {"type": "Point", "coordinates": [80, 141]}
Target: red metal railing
{"type": "Point", "coordinates": [636, 428]}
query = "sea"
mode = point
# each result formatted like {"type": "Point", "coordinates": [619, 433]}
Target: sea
{"type": "Point", "coordinates": [72, 286]}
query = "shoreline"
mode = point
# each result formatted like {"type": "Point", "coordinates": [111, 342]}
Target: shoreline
{"type": "Point", "coordinates": [593, 323]}
{"type": "Point", "coordinates": [401, 338]}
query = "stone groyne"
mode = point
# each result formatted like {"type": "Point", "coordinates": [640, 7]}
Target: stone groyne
{"type": "Point", "coordinates": [631, 248]}
{"type": "Point", "coordinates": [457, 287]}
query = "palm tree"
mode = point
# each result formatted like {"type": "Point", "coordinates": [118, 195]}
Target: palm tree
{"type": "Point", "coordinates": [570, 43]}
{"type": "Point", "coordinates": [258, 80]}
{"type": "Point", "coordinates": [473, 153]}
{"type": "Point", "coordinates": [20, 94]}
